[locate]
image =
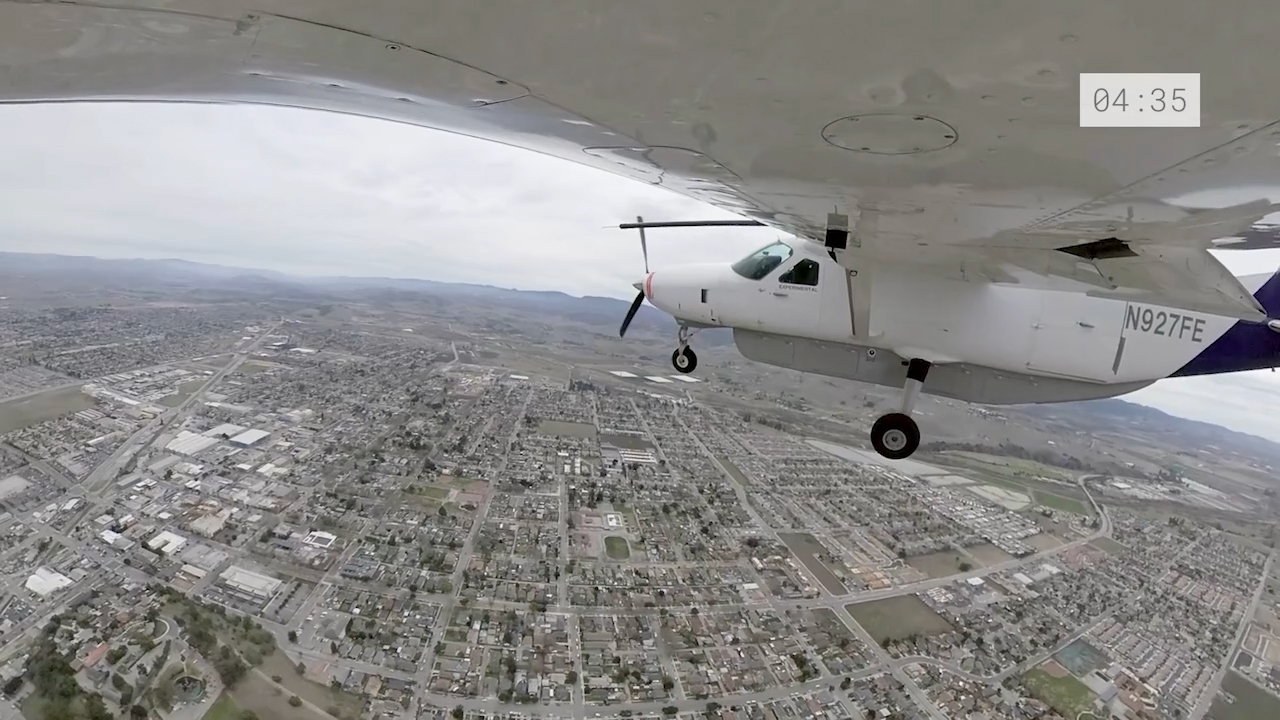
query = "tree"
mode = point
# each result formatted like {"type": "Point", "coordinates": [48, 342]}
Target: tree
{"type": "Point", "coordinates": [458, 712]}
{"type": "Point", "coordinates": [293, 636]}
{"type": "Point", "coordinates": [137, 712]}
{"type": "Point", "coordinates": [667, 683]}
{"type": "Point", "coordinates": [163, 695]}
{"type": "Point", "coordinates": [670, 710]}
{"type": "Point", "coordinates": [571, 677]}
{"type": "Point", "coordinates": [965, 567]}
{"type": "Point", "coordinates": [295, 701]}
{"type": "Point", "coordinates": [13, 685]}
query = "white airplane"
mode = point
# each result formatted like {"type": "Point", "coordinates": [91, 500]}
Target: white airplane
{"type": "Point", "coordinates": [928, 155]}
{"type": "Point", "coordinates": [792, 305]}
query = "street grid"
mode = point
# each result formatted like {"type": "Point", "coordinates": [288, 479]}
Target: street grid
{"type": "Point", "coordinates": [430, 535]}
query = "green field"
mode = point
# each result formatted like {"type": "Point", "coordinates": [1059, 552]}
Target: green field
{"type": "Point", "coordinates": [617, 548]}
{"type": "Point", "coordinates": [1066, 694]}
{"type": "Point", "coordinates": [184, 391]}
{"type": "Point", "coordinates": [941, 564]}
{"type": "Point", "coordinates": [224, 708]}
{"type": "Point", "coordinates": [736, 473]}
{"type": "Point", "coordinates": [1059, 502]}
{"type": "Point", "coordinates": [897, 618]}
{"type": "Point", "coordinates": [1107, 545]}
{"type": "Point", "coordinates": [567, 429]}
{"type": "Point", "coordinates": [999, 463]}
{"type": "Point", "coordinates": [253, 368]}
{"type": "Point", "coordinates": [28, 411]}
{"type": "Point", "coordinates": [435, 493]}
{"type": "Point", "coordinates": [988, 554]}
{"type": "Point", "coordinates": [989, 478]}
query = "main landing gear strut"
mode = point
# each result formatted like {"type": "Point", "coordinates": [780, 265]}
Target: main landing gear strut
{"type": "Point", "coordinates": [684, 360]}
{"type": "Point", "coordinates": [896, 436]}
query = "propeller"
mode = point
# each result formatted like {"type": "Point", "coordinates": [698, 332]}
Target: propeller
{"type": "Point", "coordinates": [631, 312]}
{"type": "Point", "coordinates": [635, 304]}
{"type": "Point", "coordinates": [644, 245]}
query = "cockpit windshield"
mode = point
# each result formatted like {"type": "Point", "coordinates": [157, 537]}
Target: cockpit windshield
{"type": "Point", "coordinates": [763, 261]}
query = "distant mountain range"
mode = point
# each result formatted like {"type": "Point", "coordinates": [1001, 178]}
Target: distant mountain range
{"type": "Point", "coordinates": [1113, 415]}
{"type": "Point", "coordinates": [52, 272]}
{"type": "Point", "coordinates": [83, 272]}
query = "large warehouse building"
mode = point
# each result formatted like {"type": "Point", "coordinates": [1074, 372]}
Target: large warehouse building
{"type": "Point", "coordinates": [248, 584]}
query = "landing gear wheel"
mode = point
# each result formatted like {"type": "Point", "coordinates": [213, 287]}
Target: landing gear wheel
{"type": "Point", "coordinates": [895, 436]}
{"type": "Point", "coordinates": [685, 361]}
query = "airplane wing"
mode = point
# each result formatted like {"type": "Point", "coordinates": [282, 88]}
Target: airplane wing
{"type": "Point", "coordinates": [1157, 262]}
{"type": "Point", "coordinates": [948, 133]}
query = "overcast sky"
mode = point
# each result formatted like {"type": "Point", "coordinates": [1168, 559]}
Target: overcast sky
{"type": "Point", "coordinates": [314, 193]}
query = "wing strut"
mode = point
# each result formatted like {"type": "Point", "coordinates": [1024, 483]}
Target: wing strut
{"type": "Point", "coordinates": [690, 223]}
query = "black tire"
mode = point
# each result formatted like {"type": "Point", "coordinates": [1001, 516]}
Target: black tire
{"type": "Point", "coordinates": [684, 362]}
{"type": "Point", "coordinates": [895, 436]}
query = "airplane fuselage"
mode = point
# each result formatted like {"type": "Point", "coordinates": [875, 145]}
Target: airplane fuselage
{"type": "Point", "coordinates": [988, 343]}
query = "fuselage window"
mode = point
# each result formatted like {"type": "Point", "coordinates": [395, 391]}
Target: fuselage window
{"type": "Point", "coordinates": [763, 261]}
{"type": "Point", "coordinates": [804, 272]}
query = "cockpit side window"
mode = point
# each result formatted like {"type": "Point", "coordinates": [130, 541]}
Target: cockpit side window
{"type": "Point", "coordinates": [763, 261]}
{"type": "Point", "coordinates": [804, 272]}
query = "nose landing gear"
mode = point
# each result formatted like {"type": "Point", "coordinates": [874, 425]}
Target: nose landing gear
{"type": "Point", "coordinates": [895, 435]}
{"type": "Point", "coordinates": [684, 359]}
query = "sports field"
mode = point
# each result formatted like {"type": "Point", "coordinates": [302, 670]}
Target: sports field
{"type": "Point", "coordinates": [1053, 684]}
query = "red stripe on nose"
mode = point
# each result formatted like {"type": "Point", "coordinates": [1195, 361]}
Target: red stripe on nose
{"type": "Point", "coordinates": [648, 286]}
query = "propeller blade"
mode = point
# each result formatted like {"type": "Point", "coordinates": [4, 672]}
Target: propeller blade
{"type": "Point", "coordinates": [644, 245]}
{"type": "Point", "coordinates": [631, 313]}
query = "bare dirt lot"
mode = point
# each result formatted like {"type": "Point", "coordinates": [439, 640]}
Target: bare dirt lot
{"type": "Point", "coordinates": [807, 549]}
{"type": "Point", "coordinates": [897, 618]}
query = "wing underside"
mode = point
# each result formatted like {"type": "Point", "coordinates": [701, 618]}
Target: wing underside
{"type": "Point", "coordinates": [1160, 263]}
{"type": "Point", "coordinates": [943, 148]}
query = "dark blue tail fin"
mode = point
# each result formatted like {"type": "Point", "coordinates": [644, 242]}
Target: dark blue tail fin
{"type": "Point", "coordinates": [1246, 346]}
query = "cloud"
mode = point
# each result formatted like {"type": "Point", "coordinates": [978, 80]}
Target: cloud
{"type": "Point", "coordinates": [316, 193]}
{"type": "Point", "coordinates": [322, 194]}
